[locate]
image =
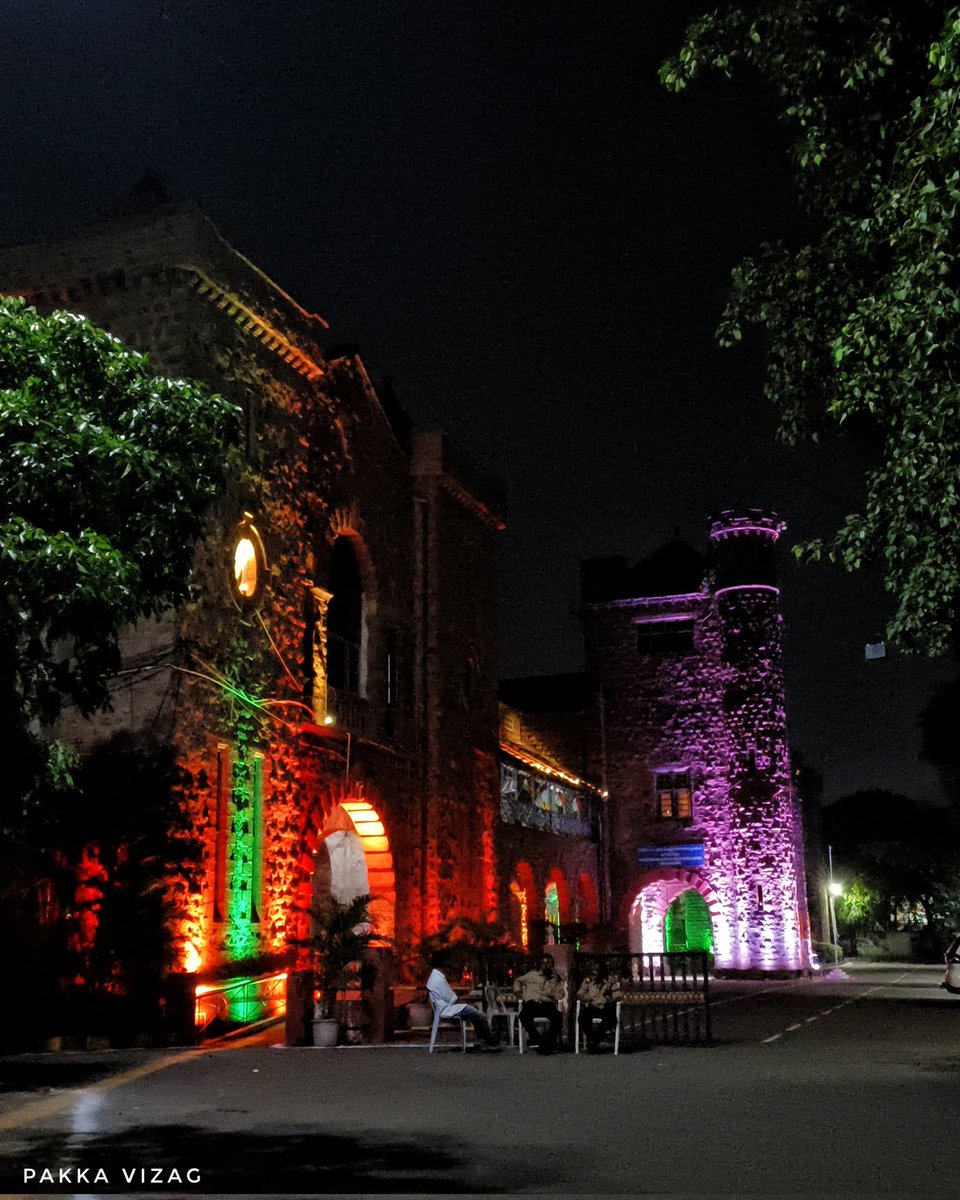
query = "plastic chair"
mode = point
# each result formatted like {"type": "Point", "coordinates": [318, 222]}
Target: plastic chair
{"type": "Point", "coordinates": [563, 1009]}
{"type": "Point", "coordinates": [578, 1033]}
{"type": "Point", "coordinates": [462, 1021]}
{"type": "Point", "coordinates": [495, 1006]}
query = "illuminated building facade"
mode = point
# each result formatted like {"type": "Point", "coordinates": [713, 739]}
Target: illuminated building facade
{"type": "Point", "coordinates": [679, 715]}
{"type": "Point", "coordinates": [705, 827]}
{"type": "Point", "coordinates": [330, 696]}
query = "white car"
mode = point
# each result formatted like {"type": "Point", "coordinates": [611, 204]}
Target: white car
{"type": "Point", "coordinates": [951, 976]}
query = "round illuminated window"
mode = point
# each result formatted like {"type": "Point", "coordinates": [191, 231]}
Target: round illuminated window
{"type": "Point", "coordinates": [248, 570]}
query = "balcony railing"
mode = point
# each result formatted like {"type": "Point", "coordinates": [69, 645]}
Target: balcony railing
{"type": "Point", "coordinates": [515, 811]}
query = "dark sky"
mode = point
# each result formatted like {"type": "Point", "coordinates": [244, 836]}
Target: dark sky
{"type": "Point", "coordinates": [499, 204]}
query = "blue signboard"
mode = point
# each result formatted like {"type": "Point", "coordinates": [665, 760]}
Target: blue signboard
{"type": "Point", "coordinates": [690, 855]}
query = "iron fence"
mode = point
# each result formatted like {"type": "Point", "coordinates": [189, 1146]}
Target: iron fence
{"type": "Point", "coordinates": [664, 997]}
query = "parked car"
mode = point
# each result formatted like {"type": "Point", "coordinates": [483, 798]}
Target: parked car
{"type": "Point", "coordinates": [951, 976]}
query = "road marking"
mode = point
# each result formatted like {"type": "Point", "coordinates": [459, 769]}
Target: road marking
{"type": "Point", "coordinates": [45, 1108]}
{"type": "Point", "coordinates": [879, 987]}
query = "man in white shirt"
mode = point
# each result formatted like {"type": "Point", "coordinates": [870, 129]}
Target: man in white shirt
{"type": "Point", "coordinates": [443, 995]}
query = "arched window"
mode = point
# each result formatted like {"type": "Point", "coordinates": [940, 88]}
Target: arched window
{"type": "Point", "coordinates": [551, 911]}
{"type": "Point", "coordinates": [345, 618]}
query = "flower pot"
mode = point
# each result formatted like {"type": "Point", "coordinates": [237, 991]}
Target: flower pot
{"type": "Point", "coordinates": [325, 1031]}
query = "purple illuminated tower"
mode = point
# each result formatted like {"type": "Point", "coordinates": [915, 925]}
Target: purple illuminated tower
{"type": "Point", "coordinates": [704, 827]}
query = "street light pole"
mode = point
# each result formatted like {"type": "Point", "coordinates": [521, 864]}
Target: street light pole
{"type": "Point", "coordinates": [833, 890]}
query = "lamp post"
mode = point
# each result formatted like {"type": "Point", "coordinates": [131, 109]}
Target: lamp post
{"type": "Point", "coordinates": [833, 891]}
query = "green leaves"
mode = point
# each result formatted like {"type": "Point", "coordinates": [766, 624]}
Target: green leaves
{"type": "Point", "coordinates": [106, 472]}
{"type": "Point", "coordinates": [862, 325]}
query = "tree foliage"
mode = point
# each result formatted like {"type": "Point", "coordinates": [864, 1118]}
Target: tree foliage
{"type": "Point", "coordinates": [106, 473]}
{"type": "Point", "coordinates": [897, 861]}
{"type": "Point", "coordinates": [862, 322]}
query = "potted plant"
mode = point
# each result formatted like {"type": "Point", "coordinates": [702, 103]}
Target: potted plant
{"type": "Point", "coordinates": [340, 935]}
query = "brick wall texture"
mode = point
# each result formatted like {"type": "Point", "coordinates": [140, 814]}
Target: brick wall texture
{"type": "Point", "coordinates": [416, 736]}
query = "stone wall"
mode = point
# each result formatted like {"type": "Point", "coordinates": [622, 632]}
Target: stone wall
{"type": "Point", "coordinates": [233, 686]}
{"type": "Point", "coordinates": [705, 702]}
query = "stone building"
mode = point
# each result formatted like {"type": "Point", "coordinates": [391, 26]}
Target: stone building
{"type": "Point", "coordinates": [554, 884]}
{"type": "Point", "coordinates": [680, 715]}
{"type": "Point", "coordinates": [330, 698]}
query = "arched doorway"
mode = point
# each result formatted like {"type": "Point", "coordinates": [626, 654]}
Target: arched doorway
{"type": "Point", "coordinates": [347, 854]}
{"type": "Point", "coordinates": [556, 907]}
{"type": "Point", "coordinates": [341, 867]}
{"type": "Point", "coordinates": [653, 922]}
{"type": "Point", "coordinates": [687, 924]}
{"type": "Point", "coordinates": [524, 890]}
{"type": "Point", "coordinates": [551, 914]}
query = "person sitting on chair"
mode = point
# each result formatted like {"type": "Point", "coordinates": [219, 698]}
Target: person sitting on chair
{"type": "Point", "coordinates": [444, 997]}
{"type": "Point", "coordinates": [542, 992]}
{"type": "Point", "coordinates": [598, 996]}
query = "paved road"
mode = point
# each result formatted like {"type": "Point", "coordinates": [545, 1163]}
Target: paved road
{"type": "Point", "coordinates": [845, 1087]}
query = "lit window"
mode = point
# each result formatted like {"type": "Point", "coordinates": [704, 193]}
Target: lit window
{"type": "Point", "coordinates": [674, 797]}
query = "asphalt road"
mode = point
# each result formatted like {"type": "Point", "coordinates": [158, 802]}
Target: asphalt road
{"type": "Point", "coordinates": [835, 1087]}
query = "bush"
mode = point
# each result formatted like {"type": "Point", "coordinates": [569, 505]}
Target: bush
{"type": "Point", "coordinates": [828, 954]}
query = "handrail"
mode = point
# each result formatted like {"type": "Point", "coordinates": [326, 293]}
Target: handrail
{"type": "Point", "coordinates": [240, 1000]}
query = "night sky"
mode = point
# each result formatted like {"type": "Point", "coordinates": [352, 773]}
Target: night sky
{"type": "Point", "coordinates": [502, 209]}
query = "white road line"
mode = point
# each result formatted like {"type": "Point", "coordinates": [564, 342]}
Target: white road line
{"type": "Point", "coordinates": [836, 1008]}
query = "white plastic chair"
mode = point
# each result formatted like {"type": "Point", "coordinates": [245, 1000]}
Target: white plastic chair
{"type": "Point", "coordinates": [577, 1031]}
{"type": "Point", "coordinates": [463, 1021]}
{"type": "Point", "coordinates": [563, 1009]}
{"type": "Point", "coordinates": [496, 1007]}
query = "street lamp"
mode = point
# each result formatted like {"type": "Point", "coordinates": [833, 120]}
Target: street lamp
{"type": "Point", "coordinates": [834, 890]}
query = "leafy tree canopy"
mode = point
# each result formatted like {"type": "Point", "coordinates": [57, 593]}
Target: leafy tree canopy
{"type": "Point", "coordinates": [891, 852]}
{"type": "Point", "coordinates": [106, 472]}
{"type": "Point", "coordinates": [862, 323]}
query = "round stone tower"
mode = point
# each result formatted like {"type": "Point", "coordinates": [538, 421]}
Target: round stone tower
{"type": "Point", "coordinates": [764, 836]}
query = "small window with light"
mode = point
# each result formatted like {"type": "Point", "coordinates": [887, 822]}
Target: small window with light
{"type": "Point", "coordinates": [248, 563]}
{"type": "Point", "coordinates": [674, 796]}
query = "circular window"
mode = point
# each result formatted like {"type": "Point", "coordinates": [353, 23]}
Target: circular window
{"type": "Point", "coordinates": [248, 569]}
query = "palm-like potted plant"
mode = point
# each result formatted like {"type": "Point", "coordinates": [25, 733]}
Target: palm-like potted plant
{"type": "Point", "coordinates": [340, 935]}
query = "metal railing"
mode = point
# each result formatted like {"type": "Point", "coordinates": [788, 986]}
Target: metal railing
{"type": "Point", "coordinates": [665, 997]}
{"type": "Point", "coordinates": [515, 811]}
{"type": "Point", "coordinates": [240, 1001]}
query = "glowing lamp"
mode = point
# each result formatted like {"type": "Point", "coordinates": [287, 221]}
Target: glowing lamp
{"type": "Point", "coordinates": [245, 567]}
{"type": "Point", "coordinates": [836, 889]}
{"type": "Point", "coordinates": [248, 574]}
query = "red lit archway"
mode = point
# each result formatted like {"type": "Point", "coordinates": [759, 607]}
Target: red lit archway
{"type": "Point", "coordinates": [588, 900]}
{"type": "Point", "coordinates": [524, 891]}
{"type": "Point", "coordinates": [357, 816]}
